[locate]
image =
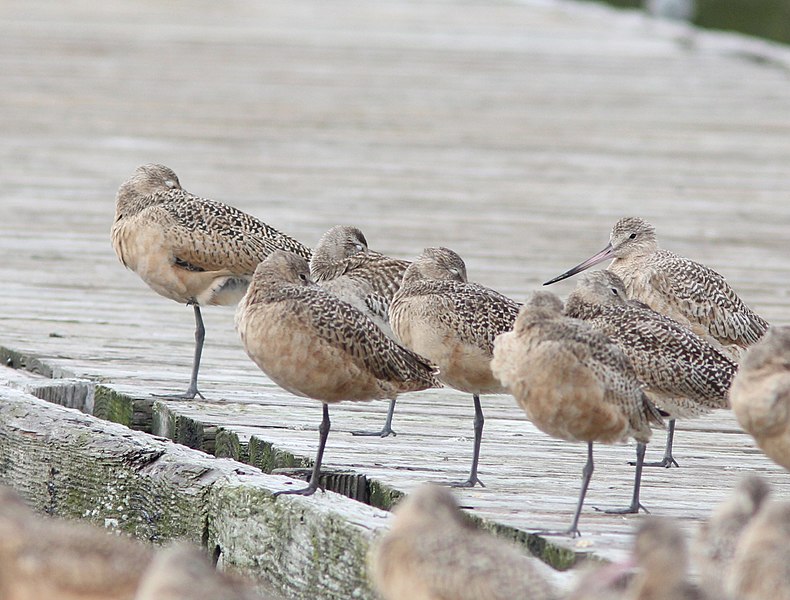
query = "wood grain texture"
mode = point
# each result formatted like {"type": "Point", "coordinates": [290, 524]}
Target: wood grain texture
{"type": "Point", "coordinates": [514, 133]}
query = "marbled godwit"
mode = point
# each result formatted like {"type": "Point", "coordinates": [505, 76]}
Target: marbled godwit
{"type": "Point", "coordinates": [661, 552]}
{"type": "Point", "coordinates": [343, 264]}
{"type": "Point", "coordinates": [182, 572]}
{"type": "Point", "coordinates": [690, 293]}
{"type": "Point", "coordinates": [760, 394]}
{"type": "Point", "coordinates": [433, 552]}
{"type": "Point", "coordinates": [761, 565]}
{"type": "Point", "coordinates": [41, 557]}
{"type": "Point", "coordinates": [574, 384]}
{"type": "Point", "coordinates": [315, 345]}
{"type": "Point", "coordinates": [189, 249]}
{"type": "Point", "coordinates": [684, 374]}
{"type": "Point", "coordinates": [453, 323]}
{"type": "Point", "coordinates": [717, 538]}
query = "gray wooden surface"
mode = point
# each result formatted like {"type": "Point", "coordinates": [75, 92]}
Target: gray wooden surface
{"type": "Point", "coordinates": [514, 133]}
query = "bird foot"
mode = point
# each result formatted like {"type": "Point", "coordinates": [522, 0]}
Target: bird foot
{"type": "Point", "coordinates": [385, 432]}
{"type": "Point", "coordinates": [628, 510]}
{"type": "Point", "coordinates": [468, 483]}
{"type": "Point", "coordinates": [307, 491]}
{"type": "Point", "coordinates": [666, 462]}
{"type": "Point", "coordinates": [188, 395]}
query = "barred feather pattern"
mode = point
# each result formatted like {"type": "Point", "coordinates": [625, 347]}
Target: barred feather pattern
{"type": "Point", "coordinates": [282, 302]}
{"type": "Point", "coordinates": [547, 346]}
{"type": "Point", "coordinates": [687, 375]}
{"type": "Point", "coordinates": [689, 292]}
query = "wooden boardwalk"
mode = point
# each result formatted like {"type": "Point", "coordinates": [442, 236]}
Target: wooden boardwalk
{"type": "Point", "coordinates": [513, 133]}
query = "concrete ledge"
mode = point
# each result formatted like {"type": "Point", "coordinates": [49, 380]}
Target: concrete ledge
{"type": "Point", "coordinates": [70, 464]}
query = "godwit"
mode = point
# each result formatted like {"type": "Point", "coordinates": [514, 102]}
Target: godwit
{"type": "Point", "coordinates": [41, 557]}
{"type": "Point", "coordinates": [433, 552]}
{"type": "Point", "coordinates": [685, 375]}
{"type": "Point", "coordinates": [574, 384]}
{"type": "Point", "coordinates": [761, 565]}
{"type": "Point", "coordinates": [760, 394]}
{"type": "Point", "coordinates": [182, 572]}
{"type": "Point", "coordinates": [315, 345]}
{"type": "Point", "coordinates": [189, 249]}
{"type": "Point", "coordinates": [690, 293]}
{"type": "Point", "coordinates": [453, 323]}
{"type": "Point", "coordinates": [343, 264]}
{"type": "Point", "coordinates": [717, 538]}
{"type": "Point", "coordinates": [661, 553]}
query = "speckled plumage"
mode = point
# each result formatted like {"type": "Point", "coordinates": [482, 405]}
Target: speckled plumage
{"type": "Point", "coordinates": [286, 325]}
{"type": "Point", "coordinates": [315, 345]}
{"type": "Point", "coordinates": [574, 384]}
{"type": "Point", "coordinates": [685, 375]}
{"type": "Point", "coordinates": [451, 321]}
{"type": "Point", "coordinates": [546, 347]}
{"type": "Point", "coordinates": [186, 248]}
{"type": "Point", "coordinates": [189, 249]}
{"type": "Point", "coordinates": [433, 552]}
{"type": "Point", "coordinates": [760, 394]}
{"type": "Point", "coordinates": [343, 252]}
{"type": "Point", "coordinates": [687, 291]}
{"type": "Point", "coordinates": [42, 557]}
{"type": "Point", "coordinates": [343, 264]}
{"type": "Point", "coordinates": [717, 538]}
{"type": "Point", "coordinates": [761, 565]}
{"type": "Point", "coordinates": [440, 315]}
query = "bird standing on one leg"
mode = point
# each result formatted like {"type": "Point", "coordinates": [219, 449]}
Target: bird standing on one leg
{"type": "Point", "coordinates": [453, 323]}
{"type": "Point", "coordinates": [684, 374]}
{"type": "Point", "coordinates": [575, 384]}
{"type": "Point", "coordinates": [343, 264]}
{"type": "Point", "coordinates": [190, 249]}
{"type": "Point", "coordinates": [315, 345]}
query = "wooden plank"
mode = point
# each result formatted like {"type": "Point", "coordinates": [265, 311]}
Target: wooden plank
{"type": "Point", "coordinates": [73, 465]}
{"type": "Point", "coordinates": [514, 133]}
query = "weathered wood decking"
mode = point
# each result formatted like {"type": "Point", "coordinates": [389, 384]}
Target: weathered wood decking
{"type": "Point", "coordinates": [514, 133]}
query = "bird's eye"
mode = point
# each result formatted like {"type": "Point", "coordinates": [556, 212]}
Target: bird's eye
{"type": "Point", "coordinates": [632, 236]}
{"type": "Point", "coordinates": [614, 291]}
{"type": "Point", "coordinates": [303, 277]}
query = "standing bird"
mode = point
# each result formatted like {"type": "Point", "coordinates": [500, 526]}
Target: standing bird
{"type": "Point", "coordinates": [685, 375]}
{"type": "Point", "coordinates": [343, 264]}
{"type": "Point", "coordinates": [574, 384]}
{"type": "Point", "coordinates": [42, 557]}
{"type": "Point", "coordinates": [314, 345]}
{"type": "Point", "coordinates": [761, 565]}
{"type": "Point", "coordinates": [717, 538]}
{"type": "Point", "coordinates": [189, 249]}
{"type": "Point", "coordinates": [453, 323]}
{"type": "Point", "coordinates": [760, 394]}
{"type": "Point", "coordinates": [688, 292]}
{"type": "Point", "coordinates": [434, 552]}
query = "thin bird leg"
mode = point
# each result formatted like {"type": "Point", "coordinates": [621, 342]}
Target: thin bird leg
{"type": "Point", "coordinates": [635, 504]}
{"type": "Point", "coordinates": [587, 472]}
{"type": "Point", "coordinates": [387, 429]}
{"type": "Point", "coordinates": [323, 431]}
{"type": "Point", "coordinates": [479, 420]}
{"type": "Point", "coordinates": [668, 460]}
{"type": "Point", "coordinates": [200, 335]}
